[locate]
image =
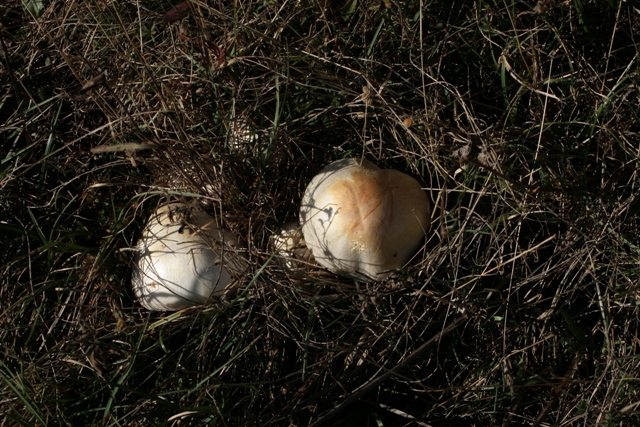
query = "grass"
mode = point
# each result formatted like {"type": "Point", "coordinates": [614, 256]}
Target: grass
{"type": "Point", "coordinates": [520, 119]}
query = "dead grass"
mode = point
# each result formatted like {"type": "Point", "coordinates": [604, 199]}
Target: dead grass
{"type": "Point", "coordinates": [520, 119]}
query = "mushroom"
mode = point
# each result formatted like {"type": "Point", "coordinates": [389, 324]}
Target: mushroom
{"type": "Point", "coordinates": [182, 259]}
{"type": "Point", "coordinates": [289, 245]}
{"type": "Point", "coordinates": [362, 221]}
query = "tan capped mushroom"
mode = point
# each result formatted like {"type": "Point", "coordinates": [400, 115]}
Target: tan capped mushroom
{"type": "Point", "coordinates": [183, 258]}
{"type": "Point", "coordinates": [362, 221]}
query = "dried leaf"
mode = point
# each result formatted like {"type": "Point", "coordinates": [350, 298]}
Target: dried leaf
{"type": "Point", "coordinates": [94, 82]}
{"type": "Point", "coordinates": [178, 12]}
{"type": "Point", "coordinates": [131, 146]}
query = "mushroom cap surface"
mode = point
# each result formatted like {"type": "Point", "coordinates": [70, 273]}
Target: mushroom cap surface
{"type": "Point", "coordinates": [292, 252]}
{"type": "Point", "coordinates": [362, 221]}
{"type": "Point", "coordinates": [182, 259]}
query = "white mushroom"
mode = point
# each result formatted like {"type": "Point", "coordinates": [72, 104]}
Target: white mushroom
{"type": "Point", "coordinates": [363, 221]}
{"type": "Point", "coordinates": [292, 253]}
{"type": "Point", "coordinates": [182, 259]}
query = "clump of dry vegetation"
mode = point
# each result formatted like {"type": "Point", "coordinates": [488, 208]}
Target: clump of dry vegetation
{"type": "Point", "coordinates": [520, 119]}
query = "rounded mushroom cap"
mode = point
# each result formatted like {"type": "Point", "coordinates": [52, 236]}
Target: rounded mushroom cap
{"type": "Point", "coordinates": [182, 259]}
{"type": "Point", "coordinates": [292, 252]}
{"type": "Point", "coordinates": [360, 220]}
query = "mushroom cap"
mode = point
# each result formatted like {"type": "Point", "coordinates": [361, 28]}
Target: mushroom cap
{"type": "Point", "coordinates": [362, 221]}
{"type": "Point", "coordinates": [292, 252]}
{"type": "Point", "coordinates": [182, 259]}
